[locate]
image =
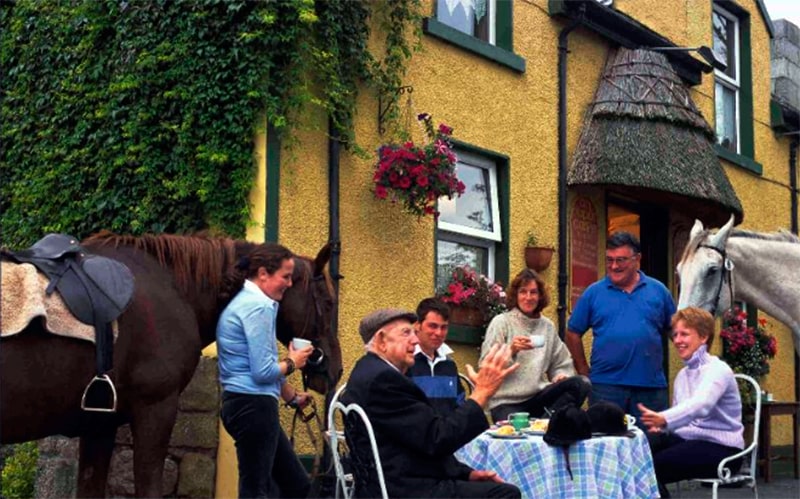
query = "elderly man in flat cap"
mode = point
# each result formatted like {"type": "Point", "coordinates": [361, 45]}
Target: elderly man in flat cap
{"type": "Point", "coordinates": [415, 442]}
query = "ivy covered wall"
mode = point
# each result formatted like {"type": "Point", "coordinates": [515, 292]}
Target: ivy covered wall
{"type": "Point", "coordinates": [140, 116]}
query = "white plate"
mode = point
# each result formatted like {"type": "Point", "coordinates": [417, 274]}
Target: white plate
{"type": "Point", "coordinates": [513, 436]}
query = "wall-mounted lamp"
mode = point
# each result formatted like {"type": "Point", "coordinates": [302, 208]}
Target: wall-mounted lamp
{"type": "Point", "coordinates": [705, 52]}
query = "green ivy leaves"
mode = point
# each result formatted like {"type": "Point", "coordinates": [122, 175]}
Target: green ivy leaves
{"type": "Point", "coordinates": [140, 116]}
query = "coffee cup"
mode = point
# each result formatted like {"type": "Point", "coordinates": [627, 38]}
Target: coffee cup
{"type": "Point", "coordinates": [300, 343]}
{"type": "Point", "coordinates": [537, 340]}
{"type": "Point", "coordinates": [519, 420]}
{"type": "Point", "coordinates": [630, 421]}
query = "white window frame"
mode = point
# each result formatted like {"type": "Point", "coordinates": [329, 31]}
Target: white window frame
{"type": "Point", "coordinates": [726, 81]}
{"type": "Point", "coordinates": [460, 234]}
{"type": "Point", "coordinates": [494, 204]}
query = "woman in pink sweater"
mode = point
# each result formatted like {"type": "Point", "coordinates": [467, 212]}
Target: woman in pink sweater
{"type": "Point", "coordinates": [704, 424]}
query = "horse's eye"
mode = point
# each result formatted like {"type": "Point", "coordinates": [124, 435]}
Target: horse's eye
{"type": "Point", "coordinates": [711, 271]}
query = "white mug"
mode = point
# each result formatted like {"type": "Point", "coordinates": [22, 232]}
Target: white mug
{"type": "Point", "coordinates": [300, 343]}
{"type": "Point", "coordinates": [537, 340]}
{"type": "Point", "coordinates": [631, 421]}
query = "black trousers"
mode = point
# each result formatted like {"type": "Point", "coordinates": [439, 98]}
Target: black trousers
{"type": "Point", "coordinates": [467, 489]}
{"type": "Point", "coordinates": [676, 459]}
{"type": "Point", "coordinates": [572, 390]}
{"type": "Point", "coordinates": [268, 466]}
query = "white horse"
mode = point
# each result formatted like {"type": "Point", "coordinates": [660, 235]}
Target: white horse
{"type": "Point", "coordinates": [734, 264]}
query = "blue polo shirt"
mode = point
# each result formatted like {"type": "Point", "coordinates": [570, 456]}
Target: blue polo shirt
{"type": "Point", "coordinates": [627, 329]}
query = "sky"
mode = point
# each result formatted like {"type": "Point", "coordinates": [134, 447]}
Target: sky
{"type": "Point", "coordinates": [784, 9]}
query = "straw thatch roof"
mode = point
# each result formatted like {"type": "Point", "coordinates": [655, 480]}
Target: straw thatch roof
{"type": "Point", "coordinates": [645, 135]}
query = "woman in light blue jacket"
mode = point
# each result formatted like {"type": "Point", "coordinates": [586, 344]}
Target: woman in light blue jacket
{"type": "Point", "coordinates": [253, 379]}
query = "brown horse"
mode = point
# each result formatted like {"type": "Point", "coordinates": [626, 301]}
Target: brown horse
{"type": "Point", "coordinates": [172, 316]}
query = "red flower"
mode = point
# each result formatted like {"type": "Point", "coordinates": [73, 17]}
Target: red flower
{"type": "Point", "coordinates": [380, 192]}
{"type": "Point", "coordinates": [422, 181]}
{"type": "Point", "coordinates": [405, 182]}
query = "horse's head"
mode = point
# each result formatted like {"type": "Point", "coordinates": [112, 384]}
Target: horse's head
{"type": "Point", "coordinates": [306, 312]}
{"type": "Point", "coordinates": [704, 270]}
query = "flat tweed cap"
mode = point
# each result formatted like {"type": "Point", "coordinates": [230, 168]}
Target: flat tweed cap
{"type": "Point", "coordinates": [379, 318]}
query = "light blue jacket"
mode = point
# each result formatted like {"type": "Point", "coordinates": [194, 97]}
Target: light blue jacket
{"type": "Point", "coordinates": [246, 344]}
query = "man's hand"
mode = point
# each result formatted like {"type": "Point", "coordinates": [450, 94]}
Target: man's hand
{"type": "Point", "coordinates": [484, 476]}
{"type": "Point", "coordinates": [491, 374]}
{"type": "Point", "coordinates": [654, 421]}
{"type": "Point", "coordinates": [560, 377]}
{"type": "Point", "coordinates": [574, 344]}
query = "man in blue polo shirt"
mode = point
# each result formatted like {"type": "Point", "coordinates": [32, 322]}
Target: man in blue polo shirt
{"type": "Point", "coordinates": [433, 370]}
{"type": "Point", "coordinates": [629, 313]}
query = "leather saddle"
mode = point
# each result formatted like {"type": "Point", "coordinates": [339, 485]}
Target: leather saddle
{"type": "Point", "coordinates": [94, 288]}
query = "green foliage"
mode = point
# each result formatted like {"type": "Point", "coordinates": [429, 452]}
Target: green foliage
{"type": "Point", "coordinates": [19, 472]}
{"type": "Point", "coordinates": [140, 116]}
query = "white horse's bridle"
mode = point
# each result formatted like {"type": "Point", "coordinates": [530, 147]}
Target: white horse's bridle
{"type": "Point", "coordinates": [727, 275]}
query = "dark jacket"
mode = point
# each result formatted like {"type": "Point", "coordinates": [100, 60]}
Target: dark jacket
{"type": "Point", "coordinates": [415, 443]}
{"type": "Point", "coordinates": [442, 385]}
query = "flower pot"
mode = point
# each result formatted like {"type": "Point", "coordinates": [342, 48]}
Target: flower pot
{"type": "Point", "coordinates": [538, 258]}
{"type": "Point", "coordinates": [466, 316]}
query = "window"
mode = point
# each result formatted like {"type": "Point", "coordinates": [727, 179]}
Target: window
{"type": "Point", "coordinates": [727, 83]}
{"type": "Point", "coordinates": [473, 17]}
{"type": "Point", "coordinates": [468, 229]}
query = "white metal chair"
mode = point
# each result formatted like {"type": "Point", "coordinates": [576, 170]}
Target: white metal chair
{"type": "Point", "coordinates": [749, 455]}
{"type": "Point", "coordinates": [345, 481]}
{"type": "Point", "coordinates": [467, 383]}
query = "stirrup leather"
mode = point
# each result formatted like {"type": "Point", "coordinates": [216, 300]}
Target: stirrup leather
{"type": "Point", "coordinates": [99, 382]}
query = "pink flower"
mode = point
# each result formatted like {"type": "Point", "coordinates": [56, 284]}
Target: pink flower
{"type": "Point", "coordinates": [444, 129]}
{"type": "Point", "coordinates": [422, 181]}
{"type": "Point", "coordinates": [405, 182]}
{"type": "Point", "coordinates": [380, 192]}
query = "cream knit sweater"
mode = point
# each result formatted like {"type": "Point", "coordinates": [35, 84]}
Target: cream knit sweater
{"type": "Point", "coordinates": [537, 366]}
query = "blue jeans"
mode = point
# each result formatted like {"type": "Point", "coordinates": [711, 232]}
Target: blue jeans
{"type": "Point", "coordinates": [628, 396]}
{"type": "Point", "coordinates": [268, 466]}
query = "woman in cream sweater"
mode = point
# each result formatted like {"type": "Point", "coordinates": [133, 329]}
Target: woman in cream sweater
{"type": "Point", "coordinates": [546, 378]}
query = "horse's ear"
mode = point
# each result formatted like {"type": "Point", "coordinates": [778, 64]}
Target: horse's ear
{"type": "Point", "coordinates": [322, 259]}
{"type": "Point", "coordinates": [721, 237]}
{"type": "Point", "coordinates": [697, 228]}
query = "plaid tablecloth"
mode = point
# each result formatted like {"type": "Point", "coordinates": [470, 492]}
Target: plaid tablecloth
{"type": "Point", "coordinates": [603, 467]}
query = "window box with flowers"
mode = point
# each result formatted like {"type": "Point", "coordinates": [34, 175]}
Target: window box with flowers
{"type": "Point", "coordinates": [747, 348]}
{"type": "Point", "coordinates": [417, 176]}
{"type": "Point", "coordinates": [474, 299]}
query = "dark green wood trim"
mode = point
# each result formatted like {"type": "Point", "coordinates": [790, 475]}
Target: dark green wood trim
{"type": "Point", "coordinates": [469, 43]}
{"type": "Point", "coordinates": [504, 25]}
{"type": "Point", "coordinates": [474, 335]}
{"type": "Point", "coordinates": [739, 160]}
{"type": "Point", "coordinates": [783, 118]}
{"type": "Point", "coordinates": [466, 335]}
{"type": "Point", "coordinates": [273, 184]}
{"type": "Point", "coordinates": [746, 134]}
{"type": "Point", "coordinates": [776, 120]}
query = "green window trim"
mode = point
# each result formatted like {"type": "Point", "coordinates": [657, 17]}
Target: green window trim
{"type": "Point", "coordinates": [273, 184]}
{"type": "Point", "coordinates": [474, 335]}
{"type": "Point", "coordinates": [504, 57]}
{"type": "Point", "coordinates": [739, 160]}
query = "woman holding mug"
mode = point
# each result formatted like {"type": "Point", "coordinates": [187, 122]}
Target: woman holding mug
{"type": "Point", "coordinates": [253, 379]}
{"type": "Point", "coordinates": [546, 378]}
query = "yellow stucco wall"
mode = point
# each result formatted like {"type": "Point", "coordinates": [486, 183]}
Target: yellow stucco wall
{"type": "Point", "coordinates": [387, 256]}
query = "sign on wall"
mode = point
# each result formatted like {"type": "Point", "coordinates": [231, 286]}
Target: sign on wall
{"type": "Point", "coordinates": [584, 235]}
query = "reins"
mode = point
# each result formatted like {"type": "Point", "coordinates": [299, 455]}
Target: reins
{"type": "Point", "coordinates": [306, 418]}
{"type": "Point", "coordinates": [727, 275]}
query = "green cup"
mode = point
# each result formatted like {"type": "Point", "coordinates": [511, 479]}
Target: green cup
{"type": "Point", "coordinates": [519, 420]}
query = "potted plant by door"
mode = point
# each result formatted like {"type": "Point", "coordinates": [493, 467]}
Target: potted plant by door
{"type": "Point", "coordinates": [537, 257]}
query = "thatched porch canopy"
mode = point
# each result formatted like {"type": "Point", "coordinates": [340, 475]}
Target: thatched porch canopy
{"type": "Point", "coordinates": [645, 138]}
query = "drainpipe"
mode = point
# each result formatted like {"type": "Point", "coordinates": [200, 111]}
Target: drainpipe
{"type": "Point", "coordinates": [562, 173]}
{"type": "Point", "coordinates": [334, 148]}
{"type": "Point", "coordinates": [793, 203]}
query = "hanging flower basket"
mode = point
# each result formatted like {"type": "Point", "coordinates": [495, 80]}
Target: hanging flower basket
{"type": "Point", "coordinates": [417, 176]}
{"type": "Point", "coordinates": [474, 299]}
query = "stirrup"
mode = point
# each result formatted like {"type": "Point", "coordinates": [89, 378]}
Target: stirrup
{"type": "Point", "coordinates": [99, 382]}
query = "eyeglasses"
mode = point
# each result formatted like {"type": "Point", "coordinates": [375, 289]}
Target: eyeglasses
{"type": "Point", "coordinates": [620, 260]}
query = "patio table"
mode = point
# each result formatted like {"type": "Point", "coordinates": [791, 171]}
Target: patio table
{"type": "Point", "coordinates": [602, 467]}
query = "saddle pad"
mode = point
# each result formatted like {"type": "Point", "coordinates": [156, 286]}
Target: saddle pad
{"type": "Point", "coordinates": [23, 297]}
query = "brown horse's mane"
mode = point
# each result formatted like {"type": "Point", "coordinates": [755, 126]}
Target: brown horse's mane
{"type": "Point", "coordinates": [192, 259]}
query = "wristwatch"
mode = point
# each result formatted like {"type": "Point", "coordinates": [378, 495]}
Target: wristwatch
{"type": "Point", "coordinates": [289, 366]}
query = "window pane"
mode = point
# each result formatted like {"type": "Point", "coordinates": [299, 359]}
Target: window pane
{"type": "Point", "coordinates": [725, 42]}
{"type": "Point", "coordinates": [468, 16]}
{"type": "Point", "coordinates": [453, 254]}
{"type": "Point", "coordinates": [474, 208]}
{"type": "Point", "coordinates": [725, 103]}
